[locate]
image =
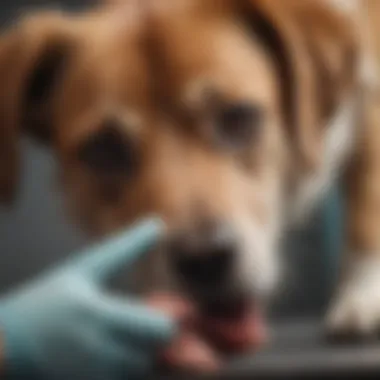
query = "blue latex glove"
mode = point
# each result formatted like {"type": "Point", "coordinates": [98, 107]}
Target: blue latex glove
{"type": "Point", "coordinates": [64, 326]}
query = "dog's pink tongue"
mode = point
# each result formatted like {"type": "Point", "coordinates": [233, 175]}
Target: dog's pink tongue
{"type": "Point", "coordinates": [242, 332]}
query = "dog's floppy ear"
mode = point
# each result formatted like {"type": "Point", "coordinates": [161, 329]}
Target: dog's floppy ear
{"type": "Point", "coordinates": [315, 50]}
{"type": "Point", "coordinates": [32, 56]}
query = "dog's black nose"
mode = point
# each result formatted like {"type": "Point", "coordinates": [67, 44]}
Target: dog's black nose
{"type": "Point", "coordinates": [204, 258]}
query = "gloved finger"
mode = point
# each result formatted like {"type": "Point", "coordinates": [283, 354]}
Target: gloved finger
{"type": "Point", "coordinates": [101, 261]}
{"type": "Point", "coordinates": [174, 306]}
{"type": "Point", "coordinates": [136, 322]}
{"type": "Point", "coordinates": [189, 352]}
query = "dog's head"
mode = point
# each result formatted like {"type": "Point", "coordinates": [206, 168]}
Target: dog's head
{"type": "Point", "coordinates": [198, 111]}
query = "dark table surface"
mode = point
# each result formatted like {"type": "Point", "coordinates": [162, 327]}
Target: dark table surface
{"type": "Point", "coordinates": [300, 350]}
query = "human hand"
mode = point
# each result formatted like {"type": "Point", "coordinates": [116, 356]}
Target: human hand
{"type": "Point", "coordinates": [64, 326]}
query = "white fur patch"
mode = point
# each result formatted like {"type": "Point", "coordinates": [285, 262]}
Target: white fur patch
{"type": "Point", "coordinates": [349, 6]}
{"type": "Point", "coordinates": [338, 143]}
{"type": "Point", "coordinates": [356, 307]}
{"type": "Point", "coordinates": [259, 265]}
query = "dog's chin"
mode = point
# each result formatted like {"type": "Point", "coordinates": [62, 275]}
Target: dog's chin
{"type": "Point", "coordinates": [234, 324]}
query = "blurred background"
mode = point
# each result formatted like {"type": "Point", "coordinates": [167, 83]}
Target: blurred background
{"type": "Point", "coordinates": [34, 232]}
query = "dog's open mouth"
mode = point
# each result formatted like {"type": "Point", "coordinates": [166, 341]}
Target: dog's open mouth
{"type": "Point", "coordinates": [209, 332]}
{"type": "Point", "coordinates": [234, 326]}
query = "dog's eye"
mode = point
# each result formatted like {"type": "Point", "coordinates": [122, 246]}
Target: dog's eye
{"type": "Point", "coordinates": [109, 152]}
{"type": "Point", "coordinates": [237, 125]}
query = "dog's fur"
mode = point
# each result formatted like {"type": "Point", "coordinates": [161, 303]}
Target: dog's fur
{"type": "Point", "coordinates": [145, 82]}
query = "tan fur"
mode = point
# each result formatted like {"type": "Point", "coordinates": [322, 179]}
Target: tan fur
{"type": "Point", "coordinates": [363, 177]}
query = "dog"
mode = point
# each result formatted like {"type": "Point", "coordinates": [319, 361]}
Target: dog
{"type": "Point", "coordinates": [228, 119]}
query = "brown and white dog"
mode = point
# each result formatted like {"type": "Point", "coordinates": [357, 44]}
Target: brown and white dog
{"type": "Point", "coordinates": [230, 119]}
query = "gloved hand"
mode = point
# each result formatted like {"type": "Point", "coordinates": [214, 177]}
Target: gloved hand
{"type": "Point", "coordinates": [64, 326]}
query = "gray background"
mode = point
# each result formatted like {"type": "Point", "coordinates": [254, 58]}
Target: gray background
{"type": "Point", "coordinates": [35, 233]}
